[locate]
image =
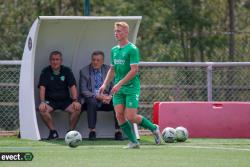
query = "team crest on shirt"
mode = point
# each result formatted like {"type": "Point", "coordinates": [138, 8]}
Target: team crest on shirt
{"type": "Point", "coordinates": [62, 78]}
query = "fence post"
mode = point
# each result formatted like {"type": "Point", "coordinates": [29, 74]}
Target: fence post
{"type": "Point", "coordinates": [209, 83]}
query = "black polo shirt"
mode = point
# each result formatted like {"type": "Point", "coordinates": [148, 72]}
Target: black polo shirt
{"type": "Point", "coordinates": [57, 86]}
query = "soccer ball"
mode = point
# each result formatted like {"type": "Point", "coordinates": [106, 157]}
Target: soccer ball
{"type": "Point", "coordinates": [168, 135]}
{"type": "Point", "coordinates": [73, 138]}
{"type": "Point", "coordinates": [181, 134]}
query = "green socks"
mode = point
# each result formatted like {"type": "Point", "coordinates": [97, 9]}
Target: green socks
{"type": "Point", "coordinates": [127, 129]}
{"type": "Point", "coordinates": [145, 123]}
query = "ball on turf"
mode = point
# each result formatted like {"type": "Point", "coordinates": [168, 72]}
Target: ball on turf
{"type": "Point", "coordinates": [73, 138]}
{"type": "Point", "coordinates": [181, 134]}
{"type": "Point", "coordinates": [168, 135]}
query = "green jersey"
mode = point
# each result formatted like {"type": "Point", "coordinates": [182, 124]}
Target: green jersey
{"type": "Point", "coordinates": [121, 59]}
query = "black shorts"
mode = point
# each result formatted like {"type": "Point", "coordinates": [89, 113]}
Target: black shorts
{"type": "Point", "coordinates": [62, 105]}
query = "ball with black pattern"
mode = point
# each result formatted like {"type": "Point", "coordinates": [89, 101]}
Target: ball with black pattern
{"type": "Point", "coordinates": [73, 138]}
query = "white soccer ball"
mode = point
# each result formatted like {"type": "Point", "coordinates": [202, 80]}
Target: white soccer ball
{"type": "Point", "coordinates": [73, 138]}
{"type": "Point", "coordinates": [181, 134]}
{"type": "Point", "coordinates": [168, 135]}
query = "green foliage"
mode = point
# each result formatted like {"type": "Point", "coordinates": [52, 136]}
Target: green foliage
{"type": "Point", "coordinates": [173, 30]}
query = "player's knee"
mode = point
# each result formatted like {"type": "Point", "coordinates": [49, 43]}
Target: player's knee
{"type": "Point", "coordinates": [120, 117]}
{"type": "Point", "coordinates": [131, 118]}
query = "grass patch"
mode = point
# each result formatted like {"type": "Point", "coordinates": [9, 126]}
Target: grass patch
{"type": "Point", "coordinates": [107, 152]}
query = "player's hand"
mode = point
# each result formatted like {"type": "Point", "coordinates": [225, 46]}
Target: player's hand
{"type": "Point", "coordinates": [43, 107]}
{"type": "Point", "coordinates": [76, 105]}
{"type": "Point", "coordinates": [115, 89]}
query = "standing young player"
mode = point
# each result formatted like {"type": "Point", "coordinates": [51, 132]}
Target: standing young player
{"type": "Point", "coordinates": [126, 91]}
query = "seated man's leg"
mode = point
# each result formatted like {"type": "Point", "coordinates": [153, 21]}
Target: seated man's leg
{"type": "Point", "coordinates": [91, 108]}
{"type": "Point", "coordinates": [74, 114]}
{"type": "Point", "coordinates": [110, 107]}
{"type": "Point", "coordinates": [48, 120]}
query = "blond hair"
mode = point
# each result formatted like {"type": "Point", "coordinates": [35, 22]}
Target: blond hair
{"type": "Point", "coordinates": [122, 24]}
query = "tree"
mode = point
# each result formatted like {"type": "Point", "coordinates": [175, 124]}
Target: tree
{"type": "Point", "coordinates": [173, 30]}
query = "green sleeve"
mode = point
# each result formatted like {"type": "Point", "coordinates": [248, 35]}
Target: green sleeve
{"type": "Point", "coordinates": [134, 56]}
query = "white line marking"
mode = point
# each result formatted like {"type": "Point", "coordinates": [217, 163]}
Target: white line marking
{"type": "Point", "coordinates": [33, 148]}
{"type": "Point", "coordinates": [16, 148]}
{"type": "Point", "coordinates": [216, 148]}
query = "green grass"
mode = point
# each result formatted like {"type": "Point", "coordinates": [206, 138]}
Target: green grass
{"type": "Point", "coordinates": [109, 153]}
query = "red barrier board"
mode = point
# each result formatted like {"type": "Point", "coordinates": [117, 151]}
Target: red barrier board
{"type": "Point", "coordinates": [155, 117]}
{"type": "Point", "coordinates": [207, 119]}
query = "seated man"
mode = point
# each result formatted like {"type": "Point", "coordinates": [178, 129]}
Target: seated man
{"type": "Point", "coordinates": [91, 78]}
{"type": "Point", "coordinates": [57, 90]}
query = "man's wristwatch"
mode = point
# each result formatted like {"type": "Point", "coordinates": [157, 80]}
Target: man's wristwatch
{"type": "Point", "coordinates": [44, 101]}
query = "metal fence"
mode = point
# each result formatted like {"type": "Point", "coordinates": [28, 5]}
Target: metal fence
{"type": "Point", "coordinates": [160, 81]}
{"type": "Point", "coordinates": [193, 81]}
{"type": "Point", "coordinates": [9, 80]}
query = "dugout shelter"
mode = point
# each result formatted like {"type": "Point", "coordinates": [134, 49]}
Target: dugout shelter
{"type": "Point", "coordinates": [76, 37]}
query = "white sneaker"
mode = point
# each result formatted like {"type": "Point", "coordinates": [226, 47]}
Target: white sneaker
{"type": "Point", "coordinates": [132, 146]}
{"type": "Point", "coordinates": [157, 135]}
